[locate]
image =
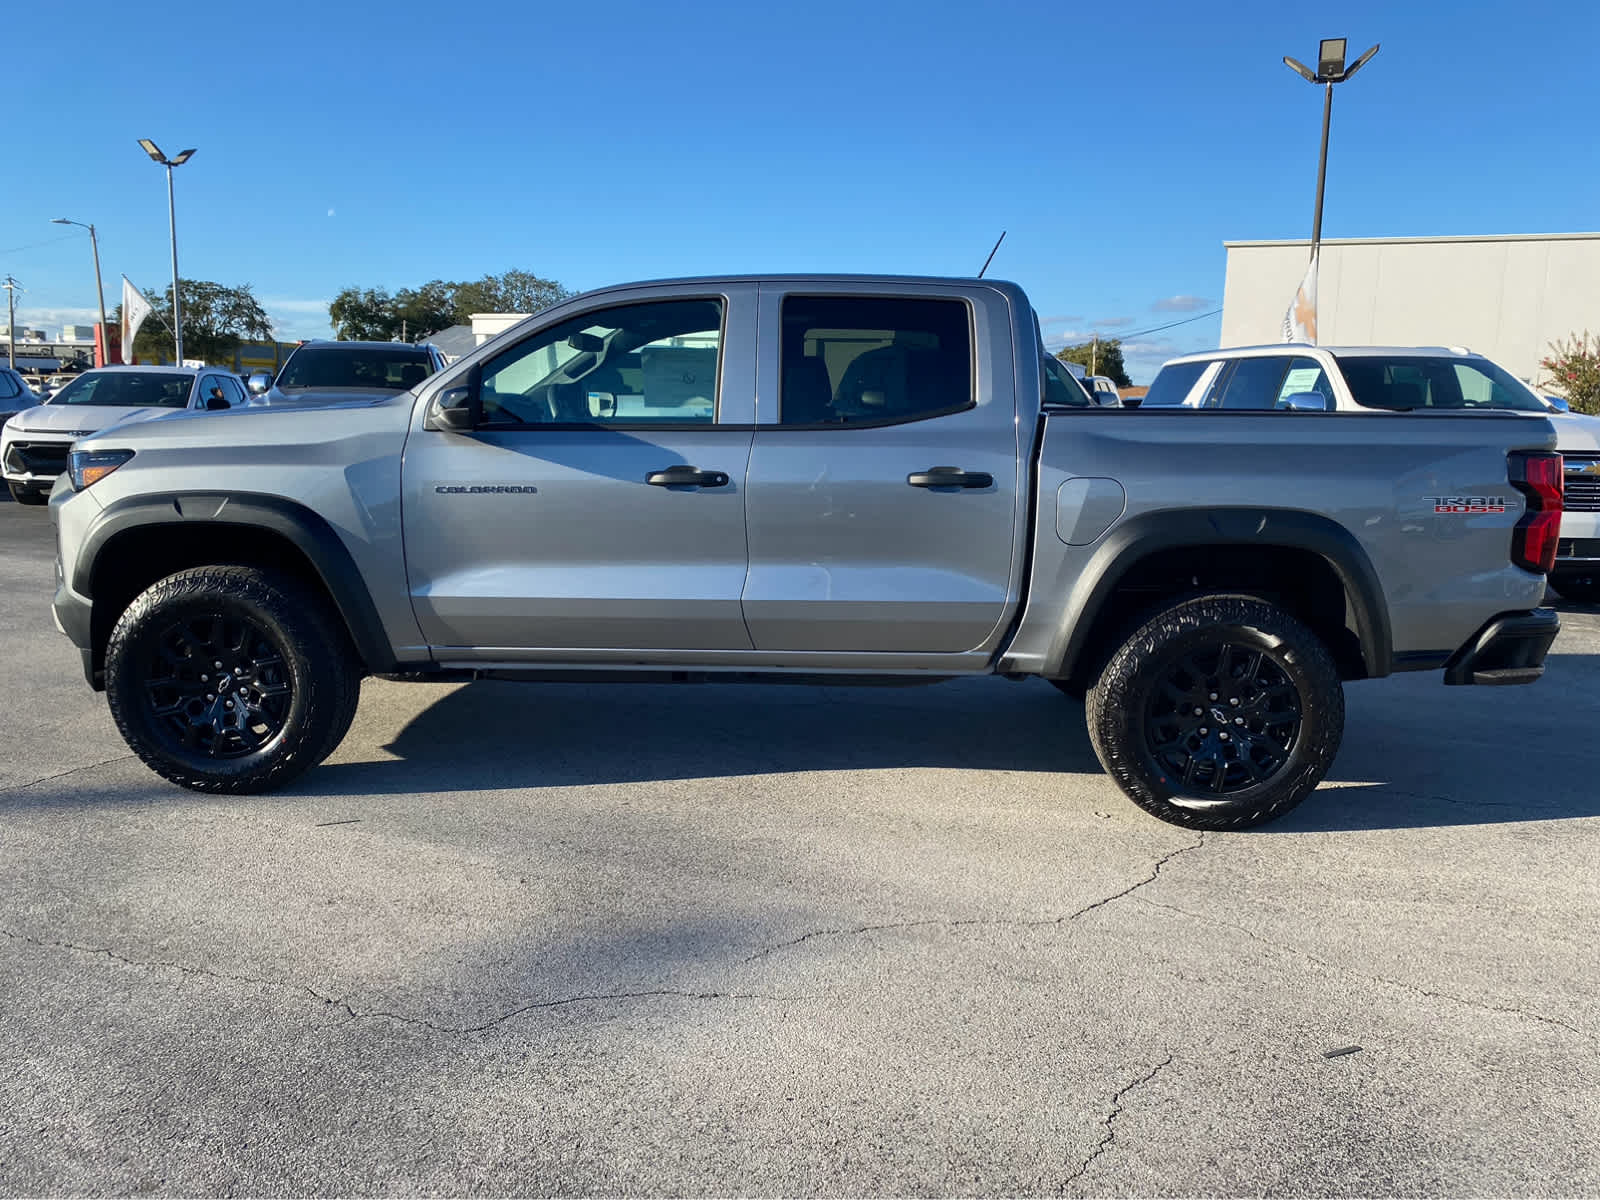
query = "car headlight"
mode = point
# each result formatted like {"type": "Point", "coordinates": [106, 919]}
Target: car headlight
{"type": "Point", "coordinates": [88, 467]}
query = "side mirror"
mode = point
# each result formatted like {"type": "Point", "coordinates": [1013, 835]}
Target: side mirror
{"type": "Point", "coordinates": [1304, 402]}
{"type": "Point", "coordinates": [259, 383]}
{"type": "Point", "coordinates": [1556, 403]}
{"type": "Point", "coordinates": [455, 410]}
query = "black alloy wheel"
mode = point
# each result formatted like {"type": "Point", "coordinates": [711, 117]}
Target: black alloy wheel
{"type": "Point", "coordinates": [1224, 718]}
{"type": "Point", "coordinates": [1218, 712]}
{"type": "Point", "coordinates": [231, 679]}
{"type": "Point", "coordinates": [217, 685]}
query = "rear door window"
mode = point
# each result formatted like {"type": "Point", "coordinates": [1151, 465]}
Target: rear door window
{"type": "Point", "coordinates": [848, 360]}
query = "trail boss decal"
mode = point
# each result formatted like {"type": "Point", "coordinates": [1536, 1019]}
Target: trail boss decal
{"type": "Point", "coordinates": [1466, 506]}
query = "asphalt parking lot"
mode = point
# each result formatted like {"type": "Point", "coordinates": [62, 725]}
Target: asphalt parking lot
{"type": "Point", "coordinates": [712, 940]}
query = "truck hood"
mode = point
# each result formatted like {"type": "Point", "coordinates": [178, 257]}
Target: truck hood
{"type": "Point", "coordinates": [322, 397]}
{"type": "Point", "coordinates": [1575, 431]}
{"type": "Point", "coordinates": [81, 420]}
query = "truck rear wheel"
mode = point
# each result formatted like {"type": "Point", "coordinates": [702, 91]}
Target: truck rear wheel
{"type": "Point", "coordinates": [1221, 712]}
{"type": "Point", "coordinates": [231, 679]}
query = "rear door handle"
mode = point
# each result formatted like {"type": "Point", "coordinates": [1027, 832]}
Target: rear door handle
{"type": "Point", "coordinates": [950, 477]}
{"type": "Point", "coordinates": [684, 476]}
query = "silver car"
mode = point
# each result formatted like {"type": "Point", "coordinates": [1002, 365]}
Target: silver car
{"type": "Point", "coordinates": [319, 372]}
{"type": "Point", "coordinates": [34, 442]}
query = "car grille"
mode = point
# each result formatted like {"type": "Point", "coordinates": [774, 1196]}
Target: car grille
{"type": "Point", "coordinates": [37, 458]}
{"type": "Point", "coordinates": [1582, 483]}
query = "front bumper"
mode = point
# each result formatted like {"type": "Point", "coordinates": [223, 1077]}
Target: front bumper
{"type": "Point", "coordinates": [34, 458]}
{"type": "Point", "coordinates": [1508, 650]}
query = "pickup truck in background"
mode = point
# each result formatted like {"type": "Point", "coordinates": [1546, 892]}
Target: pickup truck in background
{"type": "Point", "coordinates": [1576, 572]}
{"type": "Point", "coordinates": [835, 479]}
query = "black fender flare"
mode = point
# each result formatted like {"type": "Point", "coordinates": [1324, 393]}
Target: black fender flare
{"type": "Point", "coordinates": [305, 530]}
{"type": "Point", "coordinates": [1265, 528]}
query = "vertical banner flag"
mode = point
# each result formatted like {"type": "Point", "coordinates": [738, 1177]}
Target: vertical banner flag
{"type": "Point", "coordinates": [135, 308]}
{"type": "Point", "coordinates": [1300, 321]}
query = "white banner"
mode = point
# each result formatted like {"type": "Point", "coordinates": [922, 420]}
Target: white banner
{"type": "Point", "coordinates": [1300, 321]}
{"type": "Point", "coordinates": [135, 308]}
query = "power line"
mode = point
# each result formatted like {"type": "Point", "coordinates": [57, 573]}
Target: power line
{"type": "Point", "coordinates": [36, 245]}
{"type": "Point", "coordinates": [1170, 325]}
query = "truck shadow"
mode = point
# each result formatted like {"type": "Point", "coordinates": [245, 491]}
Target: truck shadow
{"type": "Point", "coordinates": [493, 734]}
{"type": "Point", "coordinates": [1415, 755]}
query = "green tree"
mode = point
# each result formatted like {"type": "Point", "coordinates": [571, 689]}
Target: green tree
{"type": "Point", "coordinates": [375, 314]}
{"type": "Point", "coordinates": [216, 318]}
{"type": "Point", "coordinates": [1574, 367]}
{"type": "Point", "coordinates": [1107, 359]}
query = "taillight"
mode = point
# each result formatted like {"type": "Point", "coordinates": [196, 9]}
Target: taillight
{"type": "Point", "coordinates": [1533, 542]}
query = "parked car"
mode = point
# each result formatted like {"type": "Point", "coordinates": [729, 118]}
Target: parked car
{"type": "Point", "coordinates": [1104, 390]}
{"type": "Point", "coordinates": [838, 479]}
{"type": "Point", "coordinates": [1576, 574]}
{"type": "Point", "coordinates": [15, 394]}
{"type": "Point", "coordinates": [1302, 378]}
{"type": "Point", "coordinates": [35, 442]}
{"type": "Point", "coordinates": [322, 371]}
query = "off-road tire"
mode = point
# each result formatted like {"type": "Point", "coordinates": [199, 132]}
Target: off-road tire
{"type": "Point", "coordinates": [1138, 682]}
{"type": "Point", "coordinates": [24, 493]}
{"type": "Point", "coordinates": [317, 664]}
{"type": "Point", "coordinates": [1580, 589]}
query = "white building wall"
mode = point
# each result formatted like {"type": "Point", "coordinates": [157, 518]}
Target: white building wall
{"type": "Point", "coordinates": [1506, 297]}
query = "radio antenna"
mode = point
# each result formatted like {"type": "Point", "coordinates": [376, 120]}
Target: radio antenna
{"type": "Point", "coordinates": [990, 259]}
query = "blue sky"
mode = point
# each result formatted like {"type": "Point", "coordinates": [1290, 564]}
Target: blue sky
{"type": "Point", "coordinates": [1118, 144]}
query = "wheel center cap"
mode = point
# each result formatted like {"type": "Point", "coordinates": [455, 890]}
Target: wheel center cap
{"type": "Point", "coordinates": [224, 683]}
{"type": "Point", "coordinates": [1220, 715]}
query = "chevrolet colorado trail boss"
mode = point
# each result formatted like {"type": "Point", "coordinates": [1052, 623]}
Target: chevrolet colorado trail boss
{"type": "Point", "coordinates": [835, 479]}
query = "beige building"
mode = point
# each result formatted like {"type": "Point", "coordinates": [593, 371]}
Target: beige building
{"type": "Point", "coordinates": [1505, 297]}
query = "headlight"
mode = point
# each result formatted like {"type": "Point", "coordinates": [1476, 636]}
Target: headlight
{"type": "Point", "coordinates": [88, 467]}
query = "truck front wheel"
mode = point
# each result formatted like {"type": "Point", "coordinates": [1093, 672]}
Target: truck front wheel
{"type": "Point", "coordinates": [231, 679]}
{"type": "Point", "coordinates": [1221, 712]}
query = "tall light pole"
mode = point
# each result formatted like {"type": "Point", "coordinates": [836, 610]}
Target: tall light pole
{"type": "Point", "coordinates": [154, 152]}
{"type": "Point", "coordinates": [99, 287]}
{"type": "Point", "coordinates": [1330, 70]}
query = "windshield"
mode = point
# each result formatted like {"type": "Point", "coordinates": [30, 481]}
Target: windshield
{"type": "Point", "coordinates": [127, 389]}
{"type": "Point", "coordinates": [1402, 384]}
{"type": "Point", "coordinates": [396, 370]}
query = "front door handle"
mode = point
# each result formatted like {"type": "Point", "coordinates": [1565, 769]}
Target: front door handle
{"type": "Point", "coordinates": [684, 476]}
{"type": "Point", "coordinates": [950, 477]}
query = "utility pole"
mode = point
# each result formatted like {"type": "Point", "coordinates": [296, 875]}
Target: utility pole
{"type": "Point", "coordinates": [11, 286]}
{"type": "Point", "coordinates": [1094, 355]}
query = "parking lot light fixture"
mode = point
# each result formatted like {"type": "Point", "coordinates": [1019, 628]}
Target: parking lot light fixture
{"type": "Point", "coordinates": [99, 287]}
{"type": "Point", "coordinates": [1330, 70]}
{"type": "Point", "coordinates": [154, 151]}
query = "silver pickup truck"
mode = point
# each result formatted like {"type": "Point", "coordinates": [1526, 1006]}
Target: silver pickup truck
{"type": "Point", "coordinates": [838, 479]}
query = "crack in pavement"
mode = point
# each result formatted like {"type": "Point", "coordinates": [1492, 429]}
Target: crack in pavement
{"type": "Point", "coordinates": [1416, 989]}
{"type": "Point", "coordinates": [1110, 1123]}
{"type": "Point", "coordinates": [1004, 922]}
{"type": "Point", "coordinates": [356, 1015]}
{"type": "Point", "coordinates": [18, 787]}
